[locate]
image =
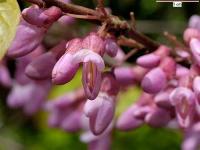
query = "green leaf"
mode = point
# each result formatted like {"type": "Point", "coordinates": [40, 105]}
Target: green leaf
{"type": "Point", "coordinates": [9, 19]}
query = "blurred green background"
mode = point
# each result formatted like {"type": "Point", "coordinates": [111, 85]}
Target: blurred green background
{"type": "Point", "coordinates": [18, 132]}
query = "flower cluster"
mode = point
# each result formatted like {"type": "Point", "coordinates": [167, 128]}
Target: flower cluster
{"type": "Point", "coordinates": [170, 91]}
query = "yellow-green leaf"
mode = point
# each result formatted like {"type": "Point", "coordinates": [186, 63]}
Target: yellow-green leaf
{"type": "Point", "coordinates": [9, 19]}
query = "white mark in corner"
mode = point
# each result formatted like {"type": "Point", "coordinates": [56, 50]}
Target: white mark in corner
{"type": "Point", "coordinates": [177, 4]}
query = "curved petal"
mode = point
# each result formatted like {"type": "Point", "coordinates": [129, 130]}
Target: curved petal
{"type": "Point", "coordinates": [65, 69]}
{"type": "Point", "coordinates": [87, 55]}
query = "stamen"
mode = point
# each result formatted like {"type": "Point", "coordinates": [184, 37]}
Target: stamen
{"type": "Point", "coordinates": [91, 74]}
{"type": "Point", "coordinates": [184, 108]}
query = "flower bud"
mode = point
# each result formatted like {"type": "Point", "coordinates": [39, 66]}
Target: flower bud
{"type": "Point", "coordinates": [111, 47]}
{"type": "Point", "coordinates": [154, 81]}
{"type": "Point", "coordinates": [24, 96]}
{"type": "Point", "coordinates": [109, 84]}
{"type": "Point", "coordinates": [16, 99]}
{"type": "Point", "coordinates": [162, 99]}
{"type": "Point", "coordinates": [141, 111]}
{"type": "Point", "coordinates": [127, 121]}
{"type": "Point", "coordinates": [71, 122]}
{"type": "Point", "coordinates": [41, 17]}
{"type": "Point", "coordinates": [37, 100]}
{"type": "Point", "coordinates": [149, 61]}
{"type": "Point", "coordinates": [194, 22]}
{"type": "Point", "coordinates": [157, 117]}
{"type": "Point", "coordinates": [168, 65]}
{"type": "Point", "coordinates": [124, 75]}
{"type": "Point", "coordinates": [101, 114]}
{"type": "Point", "coordinates": [42, 66]}
{"type": "Point", "coordinates": [28, 37]}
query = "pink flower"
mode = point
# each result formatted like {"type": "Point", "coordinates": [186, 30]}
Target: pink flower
{"type": "Point", "coordinates": [100, 111]}
{"type": "Point", "coordinates": [25, 96]}
{"type": "Point", "coordinates": [87, 51]}
{"type": "Point", "coordinates": [183, 99]}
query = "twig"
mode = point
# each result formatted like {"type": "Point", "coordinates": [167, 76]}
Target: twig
{"type": "Point", "coordinates": [114, 23]}
{"type": "Point", "coordinates": [173, 39]}
{"type": "Point", "coordinates": [70, 8]}
{"type": "Point", "coordinates": [133, 22]}
{"type": "Point", "coordinates": [123, 41]}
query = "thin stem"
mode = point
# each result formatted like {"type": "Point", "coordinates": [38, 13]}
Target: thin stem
{"type": "Point", "coordinates": [70, 8]}
{"type": "Point", "coordinates": [86, 17]}
{"type": "Point", "coordinates": [123, 41]}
